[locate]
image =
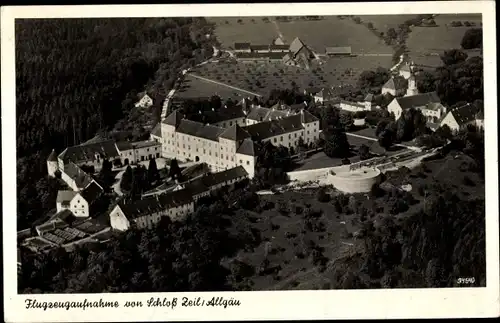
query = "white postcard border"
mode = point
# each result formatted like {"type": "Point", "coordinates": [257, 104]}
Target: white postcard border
{"type": "Point", "coordinates": [334, 304]}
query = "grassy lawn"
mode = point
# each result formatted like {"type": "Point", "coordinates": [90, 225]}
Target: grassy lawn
{"type": "Point", "coordinates": [331, 32]}
{"type": "Point", "coordinates": [193, 87]}
{"type": "Point", "coordinates": [255, 32]}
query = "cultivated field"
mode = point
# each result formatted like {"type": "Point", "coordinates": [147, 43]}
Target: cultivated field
{"type": "Point", "coordinates": [384, 22]}
{"type": "Point", "coordinates": [424, 40]}
{"type": "Point", "coordinates": [317, 34]}
{"type": "Point", "coordinates": [262, 77]}
{"type": "Point", "coordinates": [256, 31]}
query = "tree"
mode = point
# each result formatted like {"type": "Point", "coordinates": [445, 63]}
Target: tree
{"type": "Point", "coordinates": [175, 171]}
{"type": "Point", "coordinates": [426, 82]}
{"type": "Point", "coordinates": [153, 174]}
{"type": "Point", "coordinates": [346, 121]}
{"type": "Point", "coordinates": [381, 125]}
{"type": "Point", "coordinates": [473, 38]}
{"type": "Point", "coordinates": [369, 25]}
{"type": "Point", "coordinates": [364, 152]}
{"type": "Point", "coordinates": [330, 118]}
{"type": "Point", "coordinates": [336, 144]}
{"type": "Point", "coordinates": [386, 138]}
{"type": "Point", "coordinates": [453, 56]}
{"type": "Point", "coordinates": [126, 180]}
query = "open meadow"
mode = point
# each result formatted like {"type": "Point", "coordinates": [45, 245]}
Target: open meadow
{"type": "Point", "coordinates": [257, 31]}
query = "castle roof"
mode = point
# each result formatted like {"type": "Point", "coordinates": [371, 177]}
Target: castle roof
{"type": "Point", "coordinates": [173, 119]}
{"type": "Point", "coordinates": [267, 129]}
{"type": "Point", "coordinates": [369, 97]}
{"type": "Point", "coordinates": [247, 147]}
{"type": "Point", "coordinates": [396, 83]}
{"type": "Point", "coordinates": [87, 152]}
{"type": "Point", "coordinates": [235, 133]}
{"type": "Point", "coordinates": [81, 178]}
{"type": "Point", "coordinates": [307, 117]}
{"type": "Point", "coordinates": [156, 130]}
{"type": "Point", "coordinates": [52, 156]}
{"type": "Point", "coordinates": [206, 183]}
{"type": "Point", "coordinates": [153, 204]}
{"type": "Point", "coordinates": [418, 101]}
{"type": "Point", "coordinates": [198, 129]}
{"type": "Point", "coordinates": [91, 192]}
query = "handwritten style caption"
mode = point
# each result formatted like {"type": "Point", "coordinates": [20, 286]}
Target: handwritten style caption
{"type": "Point", "coordinates": [165, 302]}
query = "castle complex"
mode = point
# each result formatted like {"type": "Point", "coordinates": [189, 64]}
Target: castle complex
{"type": "Point", "coordinates": [223, 148]}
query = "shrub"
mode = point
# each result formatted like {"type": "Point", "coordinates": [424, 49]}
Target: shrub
{"type": "Point", "coordinates": [323, 196]}
{"type": "Point", "coordinates": [467, 181]}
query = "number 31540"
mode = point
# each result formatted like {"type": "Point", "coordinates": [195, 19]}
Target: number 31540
{"type": "Point", "coordinates": [466, 280]}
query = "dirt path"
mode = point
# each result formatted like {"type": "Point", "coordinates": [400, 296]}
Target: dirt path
{"type": "Point", "coordinates": [223, 84]}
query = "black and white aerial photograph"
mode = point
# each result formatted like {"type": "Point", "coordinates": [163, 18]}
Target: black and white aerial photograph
{"type": "Point", "coordinates": [249, 153]}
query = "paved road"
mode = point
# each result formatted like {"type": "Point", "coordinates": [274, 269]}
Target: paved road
{"type": "Point", "coordinates": [223, 84]}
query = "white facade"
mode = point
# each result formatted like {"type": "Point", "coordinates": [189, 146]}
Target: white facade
{"type": "Point", "coordinates": [119, 221]}
{"type": "Point", "coordinates": [450, 121]}
{"type": "Point", "coordinates": [52, 167]}
{"type": "Point", "coordinates": [70, 182]}
{"type": "Point", "coordinates": [138, 154]}
{"type": "Point", "coordinates": [395, 108]}
{"type": "Point", "coordinates": [79, 206]}
{"type": "Point", "coordinates": [412, 86]}
{"type": "Point", "coordinates": [354, 106]}
{"type": "Point", "coordinates": [433, 115]}
{"type": "Point", "coordinates": [144, 102]}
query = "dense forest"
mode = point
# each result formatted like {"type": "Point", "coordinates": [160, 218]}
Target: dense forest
{"type": "Point", "coordinates": [75, 77]}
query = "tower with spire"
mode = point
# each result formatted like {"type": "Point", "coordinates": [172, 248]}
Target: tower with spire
{"type": "Point", "coordinates": [52, 164]}
{"type": "Point", "coordinates": [412, 82]}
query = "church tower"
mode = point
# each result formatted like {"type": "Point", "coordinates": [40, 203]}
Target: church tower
{"type": "Point", "coordinates": [412, 82]}
{"type": "Point", "coordinates": [52, 164]}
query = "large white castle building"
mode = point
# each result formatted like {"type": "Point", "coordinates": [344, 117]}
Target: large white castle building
{"type": "Point", "coordinates": [234, 145]}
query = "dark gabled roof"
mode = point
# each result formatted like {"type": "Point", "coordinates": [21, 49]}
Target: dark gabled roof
{"type": "Point", "coordinates": [396, 83]}
{"type": "Point", "coordinates": [63, 215]}
{"type": "Point", "coordinates": [173, 119]}
{"type": "Point", "coordinates": [235, 133]}
{"type": "Point", "coordinates": [267, 129]}
{"type": "Point", "coordinates": [281, 47]}
{"type": "Point", "coordinates": [417, 101]}
{"type": "Point", "coordinates": [464, 114]}
{"type": "Point", "coordinates": [144, 144]}
{"type": "Point", "coordinates": [259, 47]}
{"type": "Point", "coordinates": [369, 97]}
{"type": "Point", "coordinates": [65, 196]}
{"type": "Point", "coordinates": [81, 178]}
{"type": "Point", "coordinates": [205, 183]}
{"type": "Point", "coordinates": [156, 130]}
{"type": "Point", "coordinates": [296, 46]}
{"type": "Point", "coordinates": [124, 145]}
{"type": "Point", "coordinates": [91, 192]}
{"type": "Point", "coordinates": [307, 117]}
{"type": "Point", "coordinates": [258, 113]}
{"type": "Point", "coordinates": [87, 151]}
{"type": "Point", "coordinates": [198, 129]}
{"type": "Point", "coordinates": [52, 156]}
{"type": "Point", "coordinates": [153, 204]}
{"type": "Point", "coordinates": [338, 50]}
{"type": "Point", "coordinates": [266, 55]}
{"type": "Point", "coordinates": [241, 45]}
{"type": "Point", "coordinates": [222, 114]}
{"type": "Point", "coordinates": [247, 147]}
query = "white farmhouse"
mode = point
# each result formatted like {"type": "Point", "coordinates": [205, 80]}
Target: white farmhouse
{"type": "Point", "coordinates": [148, 211]}
{"type": "Point", "coordinates": [145, 101]}
{"type": "Point", "coordinates": [428, 103]}
{"type": "Point", "coordinates": [79, 203]}
{"type": "Point", "coordinates": [458, 118]}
